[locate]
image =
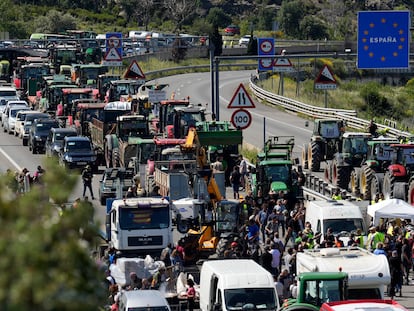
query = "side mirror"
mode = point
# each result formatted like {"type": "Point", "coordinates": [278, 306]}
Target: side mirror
{"type": "Point", "coordinates": [217, 307]}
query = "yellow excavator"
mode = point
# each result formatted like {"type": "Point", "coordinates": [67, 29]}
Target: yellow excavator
{"type": "Point", "coordinates": [218, 216]}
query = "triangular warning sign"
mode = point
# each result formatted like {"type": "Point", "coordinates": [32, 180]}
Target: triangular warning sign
{"type": "Point", "coordinates": [134, 71]}
{"type": "Point", "coordinates": [113, 55]}
{"type": "Point", "coordinates": [325, 76]}
{"type": "Point", "coordinates": [282, 62]}
{"type": "Point", "coordinates": [241, 99]}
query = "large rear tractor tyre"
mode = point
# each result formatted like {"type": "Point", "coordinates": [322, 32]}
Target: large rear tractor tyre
{"type": "Point", "coordinates": [365, 180]}
{"type": "Point", "coordinates": [376, 186]}
{"type": "Point", "coordinates": [354, 181]}
{"type": "Point", "coordinates": [340, 175]}
{"type": "Point", "coordinates": [400, 190]}
{"type": "Point", "coordinates": [314, 157]}
{"type": "Point", "coordinates": [327, 173]}
{"type": "Point", "coordinates": [388, 186]}
{"type": "Point", "coordinates": [304, 158]}
{"type": "Point", "coordinates": [182, 225]}
{"type": "Point", "coordinates": [411, 192]}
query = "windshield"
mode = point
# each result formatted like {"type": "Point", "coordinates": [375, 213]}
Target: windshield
{"type": "Point", "coordinates": [162, 308]}
{"type": "Point", "coordinates": [227, 215]}
{"type": "Point", "coordinates": [8, 93]}
{"type": "Point", "coordinates": [355, 145]}
{"type": "Point", "coordinates": [61, 136]}
{"type": "Point", "coordinates": [344, 225]}
{"type": "Point", "coordinates": [250, 298]}
{"type": "Point", "coordinates": [45, 127]}
{"type": "Point", "coordinates": [317, 292]}
{"type": "Point", "coordinates": [408, 156]}
{"type": "Point", "coordinates": [13, 112]}
{"type": "Point", "coordinates": [329, 130]}
{"type": "Point", "coordinates": [144, 217]}
{"type": "Point", "coordinates": [277, 172]}
{"type": "Point", "coordinates": [78, 146]}
{"type": "Point", "coordinates": [35, 72]}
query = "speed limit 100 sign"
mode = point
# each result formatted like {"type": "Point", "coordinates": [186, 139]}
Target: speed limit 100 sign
{"type": "Point", "coordinates": [241, 119]}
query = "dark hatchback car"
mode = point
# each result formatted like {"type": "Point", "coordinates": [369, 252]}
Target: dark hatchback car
{"type": "Point", "coordinates": [38, 133]}
{"type": "Point", "coordinates": [54, 141]}
{"type": "Point", "coordinates": [77, 152]}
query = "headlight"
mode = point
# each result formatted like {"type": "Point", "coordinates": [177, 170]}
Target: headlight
{"type": "Point", "coordinates": [68, 158]}
{"type": "Point", "coordinates": [38, 138]}
{"type": "Point", "coordinates": [57, 149]}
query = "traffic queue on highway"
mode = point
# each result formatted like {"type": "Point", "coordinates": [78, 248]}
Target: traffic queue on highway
{"type": "Point", "coordinates": [167, 166]}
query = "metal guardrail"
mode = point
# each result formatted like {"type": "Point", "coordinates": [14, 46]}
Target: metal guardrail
{"type": "Point", "coordinates": [350, 116]}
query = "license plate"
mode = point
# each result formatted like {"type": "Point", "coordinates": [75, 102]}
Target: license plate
{"type": "Point", "coordinates": [81, 163]}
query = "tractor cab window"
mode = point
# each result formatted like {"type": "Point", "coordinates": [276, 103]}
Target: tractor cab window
{"type": "Point", "coordinates": [329, 130]}
{"type": "Point", "coordinates": [278, 172]}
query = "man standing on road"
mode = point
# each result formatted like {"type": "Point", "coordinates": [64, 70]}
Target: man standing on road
{"type": "Point", "coordinates": [87, 180]}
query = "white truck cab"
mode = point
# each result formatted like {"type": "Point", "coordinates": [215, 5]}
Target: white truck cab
{"type": "Point", "coordinates": [139, 226]}
{"type": "Point", "coordinates": [236, 284]}
{"type": "Point", "coordinates": [368, 274]}
{"type": "Point", "coordinates": [344, 217]}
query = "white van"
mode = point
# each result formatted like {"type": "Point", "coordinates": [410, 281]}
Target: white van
{"type": "Point", "coordinates": [344, 217]}
{"type": "Point", "coordinates": [143, 300]}
{"type": "Point", "coordinates": [236, 284]}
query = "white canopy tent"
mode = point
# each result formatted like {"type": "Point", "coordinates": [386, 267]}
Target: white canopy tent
{"type": "Point", "coordinates": [391, 208]}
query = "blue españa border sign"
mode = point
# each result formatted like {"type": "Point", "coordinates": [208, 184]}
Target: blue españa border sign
{"type": "Point", "coordinates": [383, 39]}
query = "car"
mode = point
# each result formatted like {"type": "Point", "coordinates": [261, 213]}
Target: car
{"type": "Point", "coordinates": [232, 30]}
{"type": "Point", "coordinates": [30, 117]}
{"type": "Point", "coordinates": [11, 102]}
{"type": "Point", "coordinates": [38, 133]}
{"type": "Point", "coordinates": [54, 141]}
{"type": "Point", "coordinates": [245, 40]}
{"type": "Point", "coordinates": [77, 152]}
{"type": "Point", "coordinates": [108, 185]}
{"type": "Point", "coordinates": [10, 117]}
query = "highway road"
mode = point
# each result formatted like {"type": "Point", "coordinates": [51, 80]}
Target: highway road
{"type": "Point", "coordinates": [15, 156]}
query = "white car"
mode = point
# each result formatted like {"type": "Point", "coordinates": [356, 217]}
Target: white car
{"type": "Point", "coordinates": [9, 104]}
{"type": "Point", "coordinates": [20, 121]}
{"type": "Point", "coordinates": [244, 40]}
{"type": "Point", "coordinates": [9, 120]}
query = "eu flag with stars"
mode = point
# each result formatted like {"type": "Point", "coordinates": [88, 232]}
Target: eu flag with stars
{"type": "Point", "coordinates": [383, 39]}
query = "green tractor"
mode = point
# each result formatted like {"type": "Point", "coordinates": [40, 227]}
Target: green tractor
{"type": "Point", "coordinates": [315, 288]}
{"type": "Point", "coordinates": [325, 142]}
{"type": "Point", "coordinates": [273, 172]}
{"type": "Point", "coordinates": [367, 179]}
{"type": "Point", "coordinates": [352, 154]}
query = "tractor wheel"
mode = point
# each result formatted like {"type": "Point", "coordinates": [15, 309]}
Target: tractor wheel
{"type": "Point", "coordinates": [340, 175]}
{"type": "Point", "coordinates": [223, 245]}
{"type": "Point", "coordinates": [411, 192]}
{"type": "Point", "coordinates": [354, 181]}
{"type": "Point", "coordinates": [115, 157]}
{"type": "Point", "coordinates": [376, 185]}
{"type": "Point", "coordinates": [327, 176]}
{"type": "Point", "coordinates": [305, 157]}
{"type": "Point", "coordinates": [365, 181]}
{"type": "Point", "coordinates": [314, 157]}
{"type": "Point", "coordinates": [388, 186]}
{"type": "Point", "coordinates": [400, 191]}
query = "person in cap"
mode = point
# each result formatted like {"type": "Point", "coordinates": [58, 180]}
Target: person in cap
{"type": "Point", "coordinates": [87, 177]}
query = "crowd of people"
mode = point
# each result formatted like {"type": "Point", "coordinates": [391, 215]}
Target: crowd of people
{"type": "Point", "coordinates": [20, 181]}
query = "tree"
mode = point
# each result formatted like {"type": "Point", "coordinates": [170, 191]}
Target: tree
{"type": "Point", "coordinates": [139, 10]}
{"type": "Point", "coordinates": [313, 28]}
{"type": "Point", "coordinates": [55, 22]}
{"type": "Point", "coordinates": [179, 49]}
{"type": "Point", "coordinates": [179, 11]}
{"type": "Point", "coordinates": [217, 17]}
{"type": "Point", "coordinates": [48, 250]}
